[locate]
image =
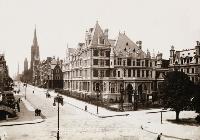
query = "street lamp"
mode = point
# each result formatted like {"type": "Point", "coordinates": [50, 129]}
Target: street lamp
{"type": "Point", "coordinates": [135, 99]}
{"type": "Point", "coordinates": [59, 100]}
{"type": "Point", "coordinates": [122, 92]}
{"type": "Point", "coordinates": [97, 91]}
{"type": "Point", "coordinates": [25, 85]}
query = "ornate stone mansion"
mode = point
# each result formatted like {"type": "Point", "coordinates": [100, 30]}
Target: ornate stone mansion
{"type": "Point", "coordinates": [110, 68]}
{"type": "Point", "coordinates": [187, 60]}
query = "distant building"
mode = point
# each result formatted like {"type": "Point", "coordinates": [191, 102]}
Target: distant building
{"type": "Point", "coordinates": [187, 61]}
{"type": "Point", "coordinates": [49, 73]}
{"type": "Point", "coordinates": [25, 64]}
{"type": "Point", "coordinates": [104, 65]}
{"type": "Point", "coordinates": [57, 77]}
{"type": "Point", "coordinates": [35, 59]}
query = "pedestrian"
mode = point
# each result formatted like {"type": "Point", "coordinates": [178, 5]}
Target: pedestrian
{"type": "Point", "coordinates": [142, 127]}
{"type": "Point", "coordinates": [33, 91]}
{"type": "Point", "coordinates": [39, 112]}
{"type": "Point", "coordinates": [18, 107]}
{"type": "Point", "coordinates": [36, 112]}
{"type": "Point", "coordinates": [86, 108]}
{"type": "Point", "coordinates": [159, 136]}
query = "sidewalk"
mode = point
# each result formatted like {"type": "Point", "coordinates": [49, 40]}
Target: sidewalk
{"type": "Point", "coordinates": [92, 109]}
{"type": "Point", "coordinates": [180, 132]}
{"type": "Point", "coordinates": [25, 116]}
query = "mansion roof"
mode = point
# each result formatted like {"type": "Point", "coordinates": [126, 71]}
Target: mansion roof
{"type": "Point", "coordinates": [123, 46]}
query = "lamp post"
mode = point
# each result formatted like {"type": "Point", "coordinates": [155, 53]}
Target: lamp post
{"type": "Point", "coordinates": [59, 100]}
{"type": "Point", "coordinates": [97, 91]}
{"type": "Point", "coordinates": [122, 92]}
{"type": "Point", "coordinates": [25, 85]}
{"type": "Point", "coordinates": [135, 99]}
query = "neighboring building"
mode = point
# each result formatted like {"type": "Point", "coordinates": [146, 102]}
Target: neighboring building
{"type": "Point", "coordinates": [107, 64]}
{"type": "Point", "coordinates": [57, 77]}
{"type": "Point", "coordinates": [25, 64]}
{"type": "Point", "coordinates": [49, 73]}
{"type": "Point", "coordinates": [2, 71]}
{"type": "Point", "coordinates": [5, 80]}
{"type": "Point", "coordinates": [188, 61]}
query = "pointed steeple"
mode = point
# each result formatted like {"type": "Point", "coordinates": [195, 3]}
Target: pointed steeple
{"type": "Point", "coordinates": [35, 43]}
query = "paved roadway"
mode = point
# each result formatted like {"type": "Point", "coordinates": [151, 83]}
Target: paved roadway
{"type": "Point", "coordinates": [76, 124]}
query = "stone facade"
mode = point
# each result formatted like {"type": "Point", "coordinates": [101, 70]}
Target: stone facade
{"type": "Point", "coordinates": [101, 65]}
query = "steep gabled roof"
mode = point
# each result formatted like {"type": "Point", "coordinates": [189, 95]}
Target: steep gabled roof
{"type": "Point", "coordinates": [126, 47]}
{"type": "Point", "coordinates": [124, 43]}
{"type": "Point", "coordinates": [96, 33]}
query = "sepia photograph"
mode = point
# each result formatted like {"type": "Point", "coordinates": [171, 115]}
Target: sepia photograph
{"type": "Point", "coordinates": [99, 70]}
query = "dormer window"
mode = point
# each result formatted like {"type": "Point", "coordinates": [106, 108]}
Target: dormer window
{"type": "Point", "coordinates": [126, 43]}
{"type": "Point", "coordinates": [101, 40]}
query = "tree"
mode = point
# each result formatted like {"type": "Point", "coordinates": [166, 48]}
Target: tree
{"type": "Point", "coordinates": [196, 99]}
{"type": "Point", "coordinates": [177, 91]}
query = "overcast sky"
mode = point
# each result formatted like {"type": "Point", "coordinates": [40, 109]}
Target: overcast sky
{"type": "Point", "coordinates": [158, 23]}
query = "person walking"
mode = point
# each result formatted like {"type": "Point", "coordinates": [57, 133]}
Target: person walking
{"type": "Point", "coordinates": [159, 136]}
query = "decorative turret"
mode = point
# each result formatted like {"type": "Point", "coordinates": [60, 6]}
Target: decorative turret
{"type": "Point", "coordinates": [197, 47]}
{"type": "Point", "coordinates": [172, 51]}
{"type": "Point", "coordinates": [153, 55]}
{"type": "Point", "coordinates": [172, 54]}
{"type": "Point", "coordinates": [111, 57]}
{"type": "Point", "coordinates": [159, 60]}
{"type": "Point", "coordinates": [148, 54]}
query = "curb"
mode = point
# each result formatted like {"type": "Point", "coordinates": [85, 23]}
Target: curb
{"type": "Point", "coordinates": [113, 116]}
{"type": "Point", "coordinates": [163, 135]}
{"type": "Point", "coordinates": [18, 123]}
{"type": "Point", "coordinates": [96, 114]}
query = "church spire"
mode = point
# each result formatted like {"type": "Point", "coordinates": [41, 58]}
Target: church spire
{"type": "Point", "coordinates": [35, 43]}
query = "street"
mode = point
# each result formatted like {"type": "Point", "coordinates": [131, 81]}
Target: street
{"type": "Point", "coordinates": [78, 124]}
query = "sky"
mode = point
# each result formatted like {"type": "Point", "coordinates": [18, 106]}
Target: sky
{"type": "Point", "coordinates": [157, 23]}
